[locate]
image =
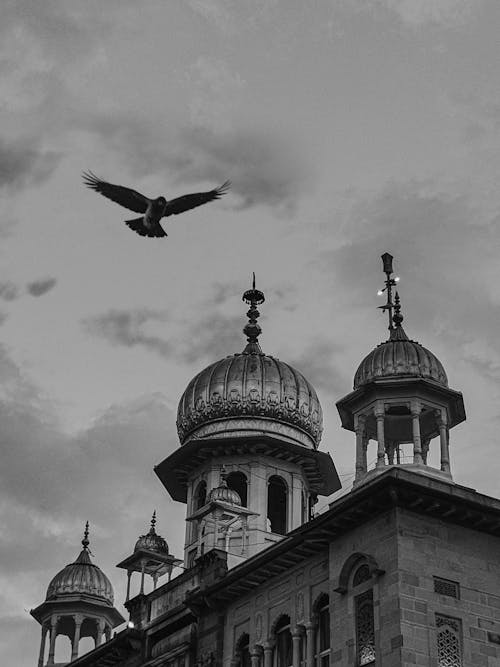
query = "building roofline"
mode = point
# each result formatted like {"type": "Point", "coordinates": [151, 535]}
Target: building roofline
{"type": "Point", "coordinates": [393, 488]}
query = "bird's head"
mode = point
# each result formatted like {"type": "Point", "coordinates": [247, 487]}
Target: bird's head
{"type": "Point", "coordinates": [161, 201]}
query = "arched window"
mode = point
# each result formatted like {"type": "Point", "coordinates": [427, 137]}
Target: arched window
{"type": "Point", "coordinates": [449, 641]}
{"type": "Point", "coordinates": [364, 614]}
{"type": "Point", "coordinates": [200, 496]}
{"type": "Point", "coordinates": [283, 643]}
{"type": "Point", "coordinates": [277, 504]}
{"type": "Point", "coordinates": [243, 651]}
{"type": "Point", "coordinates": [322, 639]}
{"type": "Point", "coordinates": [237, 481]}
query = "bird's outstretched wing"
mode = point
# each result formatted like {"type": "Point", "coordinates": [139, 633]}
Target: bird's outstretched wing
{"type": "Point", "coordinates": [125, 196]}
{"type": "Point", "coordinates": [186, 202]}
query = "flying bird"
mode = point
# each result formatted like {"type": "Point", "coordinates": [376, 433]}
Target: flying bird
{"type": "Point", "coordinates": [152, 210]}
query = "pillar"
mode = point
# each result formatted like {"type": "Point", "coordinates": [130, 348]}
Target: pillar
{"type": "Point", "coordinates": [444, 440]}
{"type": "Point", "coordinates": [143, 565]}
{"type": "Point", "coordinates": [107, 632]}
{"type": "Point", "coordinates": [129, 574]}
{"type": "Point", "coordinates": [296, 640]}
{"type": "Point", "coordinates": [254, 657]}
{"type": "Point", "coordinates": [76, 637]}
{"type": "Point", "coordinates": [42, 645]}
{"type": "Point", "coordinates": [360, 451]}
{"type": "Point", "coordinates": [53, 635]}
{"type": "Point", "coordinates": [310, 644]}
{"type": "Point", "coordinates": [380, 416]}
{"type": "Point", "coordinates": [268, 653]}
{"type": "Point", "coordinates": [416, 408]}
{"type": "Point", "coordinates": [100, 631]}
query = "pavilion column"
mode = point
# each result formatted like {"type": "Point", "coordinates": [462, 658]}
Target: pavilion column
{"type": "Point", "coordinates": [444, 440]}
{"type": "Point", "coordinates": [129, 575]}
{"type": "Point", "coordinates": [379, 413]}
{"type": "Point", "coordinates": [53, 635]}
{"type": "Point", "coordinates": [310, 644]}
{"type": "Point", "coordinates": [254, 657]}
{"type": "Point", "coordinates": [100, 631]}
{"type": "Point", "coordinates": [360, 451]}
{"type": "Point", "coordinates": [76, 637]}
{"type": "Point", "coordinates": [107, 632]}
{"type": "Point", "coordinates": [416, 409]}
{"type": "Point", "coordinates": [296, 642]}
{"type": "Point", "coordinates": [143, 565]}
{"type": "Point", "coordinates": [268, 654]}
{"type": "Point", "coordinates": [42, 645]}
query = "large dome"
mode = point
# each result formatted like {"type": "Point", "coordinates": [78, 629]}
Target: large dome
{"type": "Point", "coordinates": [81, 578]}
{"type": "Point", "coordinates": [250, 393]}
{"type": "Point", "coordinates": [398, 358]}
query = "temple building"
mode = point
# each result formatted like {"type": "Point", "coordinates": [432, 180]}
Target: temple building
{"type": "Point", "coordinates": [402, 570]}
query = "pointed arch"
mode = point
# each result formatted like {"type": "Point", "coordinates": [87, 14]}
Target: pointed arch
{"type": "Point", "coordinates": [277, 504]}
{"type": "Point", "coordinates": [350, 567]}
{"type": "Point", "coordinates": [281, 632]}
{"type": "Point", "coordinates": [242, 650]}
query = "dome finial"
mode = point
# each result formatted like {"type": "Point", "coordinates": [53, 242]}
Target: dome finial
{"type": "Point", "coordinates": [153, 523]}
{"type": "Point", "coordinates": [85, 541]}
{"type": "Point", "coordinates": [253, 297]}
{"type": "Point", "coordinates": [397, 332]}
{"type": "Point", "coordinates": [389, 284]}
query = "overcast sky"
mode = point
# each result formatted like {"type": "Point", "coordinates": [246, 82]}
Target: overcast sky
{"type": "Point", "coordinates": [348, 128]}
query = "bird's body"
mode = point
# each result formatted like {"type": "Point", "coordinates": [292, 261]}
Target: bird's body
{"type": "Point", "coordinates": [151, 210]}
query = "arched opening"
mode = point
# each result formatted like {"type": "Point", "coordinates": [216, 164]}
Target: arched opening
{"type": "Point", "coordinates": [62, 651]}
{"type": "Point", "coordinates": [277, 493]}
{"type": "Point", "coordinates": [284, 653]}
{"type": "Point", "coordinates": [243, 651]}
{"type": "Point", "coordinates": [322, 617]}
{"type": "Point", "coordinates": [237, 481]}
{"type": "Point", "coordinates": [200, 496]}
{"type": "Point", "coordinates": [85, 645]}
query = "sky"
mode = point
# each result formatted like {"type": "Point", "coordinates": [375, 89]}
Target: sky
{"type": "Point", "coordinates": [347, 127]}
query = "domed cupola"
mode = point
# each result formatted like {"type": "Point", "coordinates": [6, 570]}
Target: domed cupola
{"type": "Point", "coordinates": [152, 541]}
{"type": "Point", "coordinates": [401, 398]}
{"type": "Point", "coordinates": [250, 392]}
{"type": "Point", "coordinates": [79, 603]}
{"type": "Point", "coordinates": [82, 578]}
{"type": "Point", "coordinates": [399, 357]}
{"type": "Point", "coordinates": [223, 494]}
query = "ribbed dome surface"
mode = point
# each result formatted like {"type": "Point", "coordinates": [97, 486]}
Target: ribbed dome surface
{"type": "Point", "coordinates": [152, 542]}
{"type": "Point", "coordinates": [223, 494]}
{"type": "Point", "coordinates": [400, 357]}
{"type": "Point", "coordinates": [81, 578]}
{"type": "Point", "coordinates": [250, 384]}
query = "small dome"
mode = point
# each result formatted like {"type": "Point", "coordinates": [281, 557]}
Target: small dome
{"type": "Point", "coordinates": [151, 541]}
{"type": "Point", "coordinates": [399, 358]}
{"type": "Point", "coordinates": [81, 578]}
{"type": "Point", "coordinates": [223, 493]}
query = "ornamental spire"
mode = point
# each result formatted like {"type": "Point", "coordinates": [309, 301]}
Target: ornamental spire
{"type": "Point", "coordinates": [397, 331]}
{"type": "Point", "coordinates": [85, 541]}
{"type": "Point", "coordinates": [253, 297]}
{"type": "Point", "coordinates": [152, 530]}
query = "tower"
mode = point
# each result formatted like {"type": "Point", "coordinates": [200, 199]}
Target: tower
{"type": "Point", "coordinates": [401, 400]}
{"type": "Point", "coordinates": [78, 604]}
{"type": "Point", "coordinates": [259, 420]}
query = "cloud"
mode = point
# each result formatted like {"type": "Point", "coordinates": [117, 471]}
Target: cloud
{"type": "Point", "coordinates": [127, 328]}
{"type": "Point", "coordinates": [438, 239]}
{"type": "Point", "coordinates": [8, 291]}
{"type": "Point", "coordinates": [264, 168]}
{"type": "Point", "coordinates": [40, 287]}
{"type": "Point", "coordinates": [24, 163]}
{"type": "Point", "coordinates": [416, 13]}
{"type": "Point", "coordinates": [51, 482]}
{"type": "Point", "coordinates": [319, 363]}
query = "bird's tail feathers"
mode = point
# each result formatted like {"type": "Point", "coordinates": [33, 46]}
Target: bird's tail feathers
{"type": "Point", "coordinates": [137, 224]}
{"type": "Point", "coordinates": [222, 189]}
